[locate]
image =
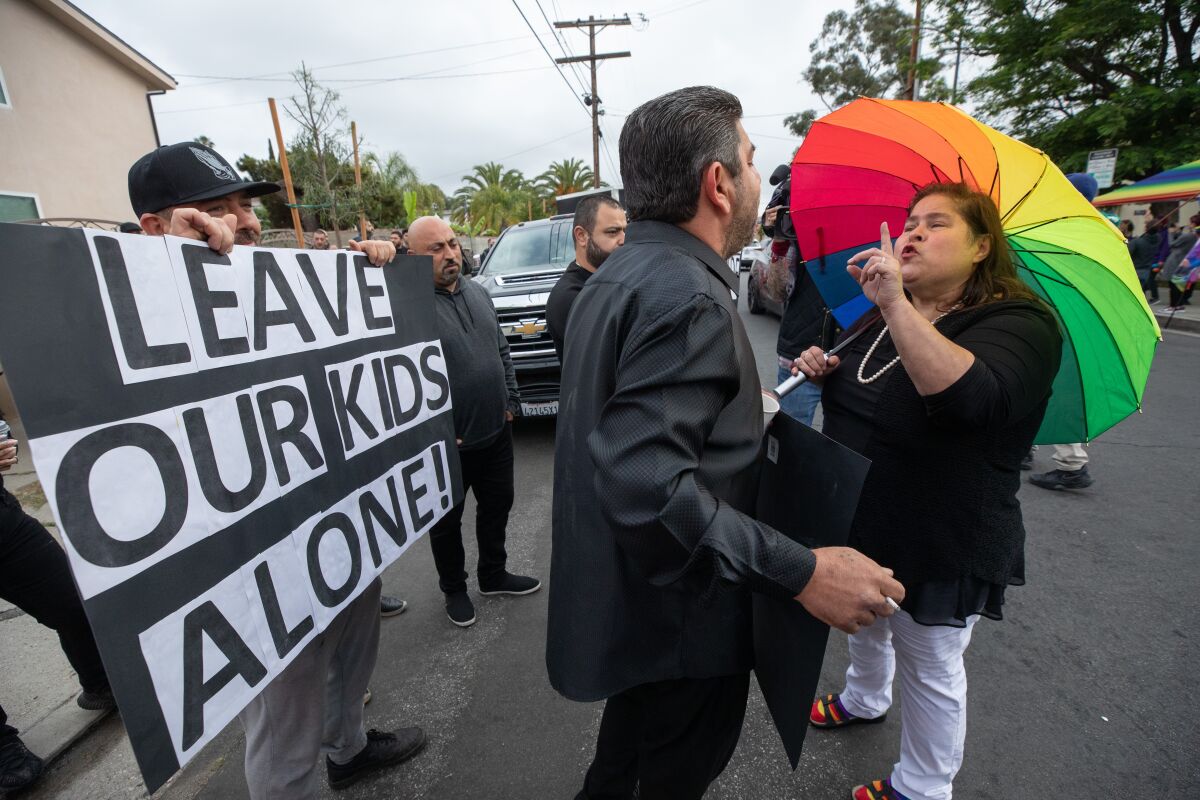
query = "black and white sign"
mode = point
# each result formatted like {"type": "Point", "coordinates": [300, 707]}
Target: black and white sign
{"type": "Point", "coordinates": [234, 447]}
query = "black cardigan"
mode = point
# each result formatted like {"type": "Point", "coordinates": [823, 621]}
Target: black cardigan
{"type": "Point", "coordinates": [940, 500]}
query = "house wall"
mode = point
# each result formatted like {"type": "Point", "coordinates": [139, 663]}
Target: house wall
{"type": "Point", "coordinates": [78, 119]}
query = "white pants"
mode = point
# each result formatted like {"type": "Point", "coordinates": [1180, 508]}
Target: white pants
{"type": "Point", "coordinates": [1070, 457]}
{"type": "Point", "coordinates": [933, 690]}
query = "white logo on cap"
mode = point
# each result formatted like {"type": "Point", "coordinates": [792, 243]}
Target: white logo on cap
{"type": "Point", "coordinates": [213, 163]}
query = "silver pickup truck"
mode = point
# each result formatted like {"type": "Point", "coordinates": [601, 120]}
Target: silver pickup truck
{"type": "Point", "coordinates": [518, 274]}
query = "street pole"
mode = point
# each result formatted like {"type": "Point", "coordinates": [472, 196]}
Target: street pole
{"type": "Point", "coordinates": [595, 108]}
{"type": "Point", "coordinates": [911, 93]}
{"type": "Point", "coordinates": [287, 175]}
{"type": "Point", "coordinates": [593, 100]}
{"type": "Point", "coordinates": [362, 214]}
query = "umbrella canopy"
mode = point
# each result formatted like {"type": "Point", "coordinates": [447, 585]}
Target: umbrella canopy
{"type": "Point", "coordinates": [862, 164]}
{"type": "Point", "coordinates": [1180, 183]}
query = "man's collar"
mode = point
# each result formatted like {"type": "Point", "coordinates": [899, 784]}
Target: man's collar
{"type": "Point", "coordinates": [668, 233]}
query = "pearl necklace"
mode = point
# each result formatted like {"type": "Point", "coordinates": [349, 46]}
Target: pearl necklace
{"type": "Point", "coordinates": [871, 351]}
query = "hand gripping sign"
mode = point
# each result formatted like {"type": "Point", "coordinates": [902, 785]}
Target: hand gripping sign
{"type": "Point", "coordinates": [234, 447]}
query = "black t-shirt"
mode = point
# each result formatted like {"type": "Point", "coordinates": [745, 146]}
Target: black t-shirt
{"type": "Point", "coordinates": [558, 306]}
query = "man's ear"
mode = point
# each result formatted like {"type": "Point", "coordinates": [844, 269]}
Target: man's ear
{"type": "Point", "coordinates": [153, 224]}
{"type": "Point", "coordinates": [580, 235]}
{"type": "Point", "coordinates": [715, 187]}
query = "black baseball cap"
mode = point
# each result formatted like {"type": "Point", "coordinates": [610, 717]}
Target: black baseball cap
{"type": "Point", "coordinates": [187, 172]}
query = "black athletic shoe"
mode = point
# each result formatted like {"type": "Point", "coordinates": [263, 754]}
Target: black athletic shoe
{"type": "Point", "coordinates": [508, 583]}
{"type": "Point", "coordinates": [384, 749]}
{"type": "Point", "coordinates": [1062, 479]}
{"type": "Point", "coordinates": [460, 609]}
{"type": "Point", "coordinates": [18, 767]}
{"type": "Point", "coordinates": [391, 606]}
{"type": "Point", "coordinates": [96, 701]}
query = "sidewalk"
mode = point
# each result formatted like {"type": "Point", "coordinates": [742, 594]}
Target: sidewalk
{"type": "Point", "coordinates": [1187, 321]}
{"type": "Point", "coordinates": [39, 687]}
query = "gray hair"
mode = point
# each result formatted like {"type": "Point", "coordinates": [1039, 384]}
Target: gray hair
{"type": "Point", "coordinates": [668, 143]}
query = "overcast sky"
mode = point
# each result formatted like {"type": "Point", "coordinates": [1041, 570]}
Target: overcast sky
{"type": "Point", "coordinates": [521, 114]}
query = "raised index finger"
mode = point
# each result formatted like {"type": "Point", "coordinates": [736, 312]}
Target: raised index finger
{"type": "Point", "coordinates": [885, 240]}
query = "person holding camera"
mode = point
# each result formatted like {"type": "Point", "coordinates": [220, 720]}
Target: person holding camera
{"type": "Point", "coordinates": [807, 321]}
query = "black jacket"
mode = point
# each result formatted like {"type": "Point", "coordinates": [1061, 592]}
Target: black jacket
{"type": "Point", "coordinates": [483, 384]}
{"type": "Point", "coordinates": [558, 305]}
{"type": "Point", "coordinates": [659, 430]}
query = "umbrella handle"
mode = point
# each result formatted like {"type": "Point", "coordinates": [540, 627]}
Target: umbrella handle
{"type": "Point", "coordinates": [791, 383]}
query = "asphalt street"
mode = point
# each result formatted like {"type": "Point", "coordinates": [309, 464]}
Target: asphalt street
{"type": "Point", "coordinates": [1082, 690]}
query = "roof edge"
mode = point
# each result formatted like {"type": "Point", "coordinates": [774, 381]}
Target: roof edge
{"type": "Point", "coordinates": [93, 32]}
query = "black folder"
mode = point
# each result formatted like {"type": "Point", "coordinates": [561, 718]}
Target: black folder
{"type": "Point", "coordinates": [809, 487]}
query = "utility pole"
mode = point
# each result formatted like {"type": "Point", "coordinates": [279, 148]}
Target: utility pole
{"type": "Point", "coordinates": [914, 52]}
{"type": "Point", "coordinates": [593, 99]}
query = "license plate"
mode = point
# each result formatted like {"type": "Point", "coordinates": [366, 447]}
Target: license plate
{"type": "Point", "coordinates": [540, 409]}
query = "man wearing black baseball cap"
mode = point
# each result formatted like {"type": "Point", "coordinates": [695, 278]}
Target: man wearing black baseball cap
{"type": "Point", "coordinates": [189, 190]}
{"type": "Point", "coordinates": [316, 704]}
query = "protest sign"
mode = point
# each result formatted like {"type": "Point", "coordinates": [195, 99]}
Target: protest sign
{"type": "Point", "coordinates": [233, 447]}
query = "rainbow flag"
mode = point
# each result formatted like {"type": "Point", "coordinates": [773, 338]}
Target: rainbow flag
{"type": "Point", "coordinates": [1180, 183]}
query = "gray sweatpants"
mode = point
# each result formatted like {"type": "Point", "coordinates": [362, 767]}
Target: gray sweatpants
{"type": "Point", "coordinates": [315, 706]}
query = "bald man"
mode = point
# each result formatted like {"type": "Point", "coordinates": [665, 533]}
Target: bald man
{"type": "Point", "coordinates": [483, 386]}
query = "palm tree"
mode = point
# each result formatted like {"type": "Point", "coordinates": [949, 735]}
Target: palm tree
{"type": "Point", "coordinates": [565, 177]}
{"type": "Point", "coordinates": [493, 195]}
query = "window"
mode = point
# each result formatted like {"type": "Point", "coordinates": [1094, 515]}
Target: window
{"type": "Point", "coordinates": [5, 102]}
{"type": "Point", "coordinates": [15, 206]}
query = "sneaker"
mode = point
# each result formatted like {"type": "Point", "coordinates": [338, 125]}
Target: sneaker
{"type": "Point", "coordinates": [460, 609]}
{"type": "Point", "coordinates": [1027, 461]}
{"type": "Point", "coordinates": [877, 790]}
{"type": "Point", "coordinates": [96, 701]}
{"type": "Point", "coordinates": [18, 767]}
{"type": "Point", "coordinates": [1062, 479]}
{"type": "Point", "coordinates": [391, 606]}
{"type": "Point", "coordinates": [384, 749]}
{"type": "Point", "coordinates": [508, 583]}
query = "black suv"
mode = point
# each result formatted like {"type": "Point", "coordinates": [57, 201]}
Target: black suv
{"type": "Point", "coordinates": [518, 274]}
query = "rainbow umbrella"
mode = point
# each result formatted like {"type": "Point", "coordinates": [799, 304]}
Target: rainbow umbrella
{"type": "Point", "coordinates": [1180, 183]}
{"type": "Point", "coordinates": [861, 165]}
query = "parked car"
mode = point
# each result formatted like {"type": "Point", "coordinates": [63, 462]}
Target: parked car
{"type": "Point", "coordinates": [757, 301]}
{"type": "Point", "coordinates": [749, 252]}
{"type": "Point", "coordinates": [518, 274]}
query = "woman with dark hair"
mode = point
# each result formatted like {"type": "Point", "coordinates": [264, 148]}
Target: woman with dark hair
{"type": "Point", "coordinates": [944, 392]}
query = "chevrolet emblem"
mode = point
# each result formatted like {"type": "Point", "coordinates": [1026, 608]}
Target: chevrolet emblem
{"type": "Point", "coordinates": [528, 328]}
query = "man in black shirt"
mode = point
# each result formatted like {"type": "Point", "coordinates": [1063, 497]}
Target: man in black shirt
{"type": "Point", "coordinates": [654, 553]}
{"type": "Point", "coordinates": [483, 386]}
{"type": "Point", "coordinates": [598, 230]}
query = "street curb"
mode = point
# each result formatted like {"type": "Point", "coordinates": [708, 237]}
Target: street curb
{"type": "Point", "coordinates": [1179, 322]}
{"type": "Point", "coordinates": [65, 725]}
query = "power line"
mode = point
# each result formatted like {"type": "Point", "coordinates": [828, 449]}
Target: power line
{"type": "Point", "coordinates": [501, 159]}
{"type": "Point", "coordinates": [547, 52]}
{"type": "Point", "coordinates": [563, 46]}
{"type": "Point", "coordinates": [364, 85]}
{"type": "Point", "coordinates": [223, 78]}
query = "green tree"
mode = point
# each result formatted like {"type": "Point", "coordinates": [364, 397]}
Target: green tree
{"type": "Point", "coordinates": [274, 205]}
{"type": "Point", "coordinates": [865, 53]}
{"type": "Point", "coordinates": [495, 196]}
{"type": "Point", "coordinates": [1070, 76]}
{"type": "Point", "coordinates": [391, 181]}
{"type": "Point", "coordinates": [319, 157]}
{"type": "Point", "coordinates": [564, 177]}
